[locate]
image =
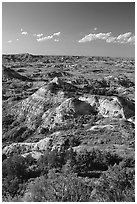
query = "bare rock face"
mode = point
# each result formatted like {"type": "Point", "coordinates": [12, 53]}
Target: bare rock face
{"type": "Point", "coordinates": [57, 81]}
{"type": "Point", "coordinates": [25, 148]}
{"type": "Point", "coordinates": [110, 106]}
{"type": "Point", "coordinates": [30, 110]}
{"type": "Point", "coordinates": [69, 108]}
{"type": "Point", "coordinates": [34, 154]}
{"type": "Point", "coordinates": [46, 108]}
{"type": "Point", "coordinates": [43, 144]}
{"type": "Point", "coordinates": [17, 147]}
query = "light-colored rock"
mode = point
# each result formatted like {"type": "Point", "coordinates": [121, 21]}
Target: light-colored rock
{"type": "Point", "coordinates": [111, 107]}
{"type": "Point", "coordinates": [36, 155]}
{"type": "Point", "coordinates": [15, 147]}
{"type": "Point", "coordinates": [24, 149]}
{"type": "Point", "coordinates": [57, 81]}
{"type": "Point", "coordinates": [132, 120]}
{"type": "Point", "coordinates": [107, 106]}
{"type": "Point", "coordinates": [42, 145]}
{"type": "Point", "coordinates": [98, 127]}
{"type": "Point", "coordinates": [30, 110]}
{"type": "Point", "coordinates": [91, 99]}
{"type": "Point", "coordinates": [69, 108]}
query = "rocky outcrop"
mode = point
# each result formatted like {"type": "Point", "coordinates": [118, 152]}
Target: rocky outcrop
{"type": "Point", "coordinates": [110, 106]}
{"type": "Point", "coordinates": [70, 108]}
{"type": "Point", "coordinates": [30, 110]}
{"type": "Point", "coordinates": [25, 148]}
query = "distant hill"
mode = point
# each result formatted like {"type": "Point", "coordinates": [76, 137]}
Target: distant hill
{"type": "Point", "coordinates": [8, 73]}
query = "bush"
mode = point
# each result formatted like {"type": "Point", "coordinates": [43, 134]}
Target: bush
{"type": "Point", "coordinates": [11, 186]}
{"type": "Point", "coordinates": [58, 188]}
{"type": "Point", "coordinates": [15, 173]}
{"type": "Point", "coordinates": [90, 161]}
{"type": "Point", "coordinates": [30, 160]}
{"type": "Point", "coordinates": [95, 160]}
{"type": "Point", "coordinates": [9, 198]}
{"type": "Point", "coordinates": [14, 167]}
{"type": "Point", "coordinates": [7, 121]}
{"type": "Point", "coordinates": [51, 159]}
{"type": "Point", "coordinates": [116, 185]}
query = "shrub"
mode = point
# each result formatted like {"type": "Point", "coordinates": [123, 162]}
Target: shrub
{"type": "Point", "coordinates": [112, 158]}
{"type": "Point", "coordinates": [90, 161]}
{"type": "Point", "coordinates": [70, 156]}
{"type": "Point", "coordinates": [58, 188]}
{"type": "Point", "coordinates": [128, 162]}
{"type": "Point", "coordinates": [116, 185]}
{"type": "Point", "coordinates": [14, 167]}
{"type": "Point", "coordinates": [15, 174]}
{"type": "Point", "coordinates": [11, 186]}
{"type": "Point", "coordinates": [9, 198]}
{"type": "Point", "coordinates": [7, 120]}
{"type": "Point", "coordinates": [51, 159]}
{"type": "Point", "coordinates": [30, 160]}
{"type": "Point", "coordinates": [95, 160]}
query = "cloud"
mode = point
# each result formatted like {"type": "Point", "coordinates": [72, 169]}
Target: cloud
{"type": "Point", "coordinates": [56, 34]}
{"type": "Point", "coordinates": [9, 41]}
{"type": "Point", "coordinates": [38, 35]}
{"type": "Point", "coordinates": [48, 37]}
{"type": "Point", "coordinates": [92, 36]}
{"type": "Point", "coordinates": [131, 40]}
{"type": "Point", "coordinates": [123, 38]}
{"type": "Point", "coordinates": [24, 33]}
{"type": "Point", "coordinates": [45, 38]}
{"type": "Point", "coordinates": [56, 40]}
{"type": "Point", "coordinates": [120, 39]}
{"type": "Point", "coordinates": [103, 36]}
{"type": "Point", "coordinates": [111, 39]}
{"type": "Point", "coordinates": [87, 38]}
{"type": "Point", "coordinates": [95, 28]}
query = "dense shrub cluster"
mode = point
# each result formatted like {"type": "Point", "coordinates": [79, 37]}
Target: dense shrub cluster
{"type": "Point", "coordinates": [15, 173]}
{"type": "Point", "coordinates": [116, 185]}
{"type": "Point", "coordinates": [7, 120]}
{"type": "Point", "coordinates": [58, 187]}
{"type": "Point", "coordinates": [61, 177]}
{"type": "Point", "coordinates": [82, 163]}
{"type": "Point", "coordinates": [95, 160]}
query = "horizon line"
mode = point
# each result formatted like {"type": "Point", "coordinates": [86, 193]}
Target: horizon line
{"type": "Point", "coordinates": [67, 55]}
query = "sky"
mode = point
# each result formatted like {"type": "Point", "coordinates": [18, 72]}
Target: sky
{"type": "Point", "coordinates": [69, 28]}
